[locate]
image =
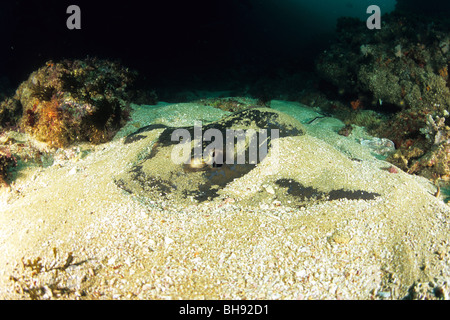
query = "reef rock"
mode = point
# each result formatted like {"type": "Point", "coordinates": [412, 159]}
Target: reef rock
{"type": "Point", "coordinates": [71, 100]}
{"type": "Point", "coordinates": [401, 69]}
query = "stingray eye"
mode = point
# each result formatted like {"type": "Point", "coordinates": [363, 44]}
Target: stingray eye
{"type": "Point", "coordinates": [197, 163]}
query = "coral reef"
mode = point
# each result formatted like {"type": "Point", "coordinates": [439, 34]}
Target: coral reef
{"type": "Point", "coordinates": [72, 100]}
{"type": "Point", "coordinates": [401, 70]}
{"type": "Point", "coordinates": [59, 105]}
{"type": "Point", "coordinates": [10, 113]}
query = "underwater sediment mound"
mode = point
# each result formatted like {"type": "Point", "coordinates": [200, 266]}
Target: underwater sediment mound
{"type": "Point", "coordinates": [401, 69]}
{"type": "Point", "coordinates": [155, 174]}
{"type": "Point", "coordinates": [201, 175]}
{"type": "Point", "coordinates": [72, 100]}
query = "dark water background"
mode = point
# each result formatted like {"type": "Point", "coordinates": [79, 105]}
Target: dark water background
{"type": "Point", "coordinates": [178, 42]}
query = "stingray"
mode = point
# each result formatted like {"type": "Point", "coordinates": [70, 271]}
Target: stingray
{"type": "Point", "coordinates": [200, 176]}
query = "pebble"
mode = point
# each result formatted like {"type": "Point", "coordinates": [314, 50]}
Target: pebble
{"type": "Point", "coordinates": [383, 294]}
{"type": "Point", "coordinates": [168, 241]}
{"type": "Point", "coordinates": [380, 146]}
{"type": "Point", "coordinates": [269, 189]}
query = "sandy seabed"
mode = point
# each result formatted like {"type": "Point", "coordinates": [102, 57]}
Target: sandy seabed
{"type": "Point", "coordinates": [68, 231]}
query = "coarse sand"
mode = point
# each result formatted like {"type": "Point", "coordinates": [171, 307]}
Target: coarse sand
{"type": "Point", "coordinates": [67, 231]}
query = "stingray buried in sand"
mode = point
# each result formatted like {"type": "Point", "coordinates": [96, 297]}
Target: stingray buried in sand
{"type": "Point", "coordinates": [203, 174]}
